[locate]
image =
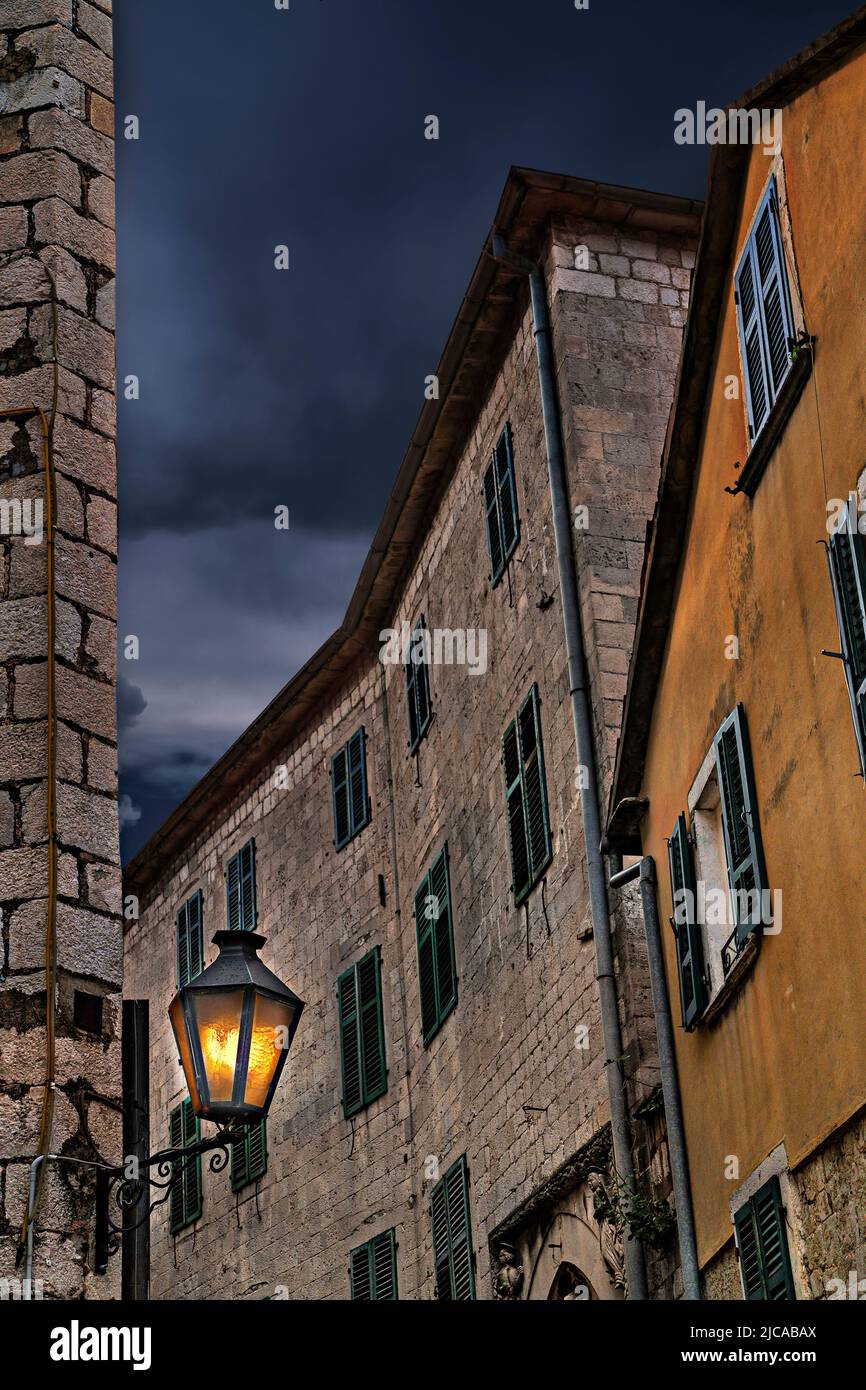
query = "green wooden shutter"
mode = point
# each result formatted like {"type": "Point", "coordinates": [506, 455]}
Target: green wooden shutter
{"type": "Point", "coordinates": [185, 1202]}
{"type": "Point", "coordinates": [452, 1235]}
{"type": "Point", "coordinates": [686, 928]}
{"type": "Point", "coordinates": [764, 313]}
{"type": "Point", "coordinates": [190, 940]}
{"type": "Point", "coordinates": [437, 967]}
{"type": "Point", "coordinates": [249, 1154]}
{"type": "Point", "coordinates": [762, 1244]}
{"type": "Point", "coordinates": [373, 1269]}
{"type": "Point", "coordinates": [356, 758]}
{"type": "Point", "coordinates": [350, 1043]}
{"type": "Point", "coordinates": [418, 687]}
{"type": "Point", "coordinates": [362, 1033]}
{"type": "Point", "coordinates": [491, 517]}
{"type": "Point", "coordinates": [526, 797]}
{"type": "Point", "coordinates": [507, 491]}
{"type": "Point", "coordinates": [743, 847]}
{"type": "Point", "coordinates": [846, 556]}
{"type": "Point", "coordinates": [340, 793]}
{"type": "Point", "coordinates": [241, 911]}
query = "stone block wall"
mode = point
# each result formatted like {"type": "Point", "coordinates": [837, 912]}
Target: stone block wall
{"type": "Point", "coordinates": [506, 1081]}
{"type": "Point", "coordinates": [57, 371]}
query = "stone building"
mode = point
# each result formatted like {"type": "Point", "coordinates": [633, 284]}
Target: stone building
{"type": "Point", "coordinates": [755, 587]}
{"type": "Point", "coordinates": [411, 835]}
{"type": "Point", "coordinates": [61, 953]}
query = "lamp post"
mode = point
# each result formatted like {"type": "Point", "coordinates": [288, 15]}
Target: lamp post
{"type": "Point", "coordinates": [233, 1024]}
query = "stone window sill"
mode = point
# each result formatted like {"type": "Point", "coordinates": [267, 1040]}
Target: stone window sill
{"type": "Point", "coordinates": [726, 993]}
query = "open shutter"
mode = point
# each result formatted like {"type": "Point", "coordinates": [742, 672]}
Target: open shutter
{"type": "Point", "coordinates": [441, 1243]}
{"type": "Point", "coordinates": [422, 684]}
{"type": "Point", "coordinates": [744, 851]}
{"type": "Point", "coordinates": [369, 989]}
{"type": "Point", "coordinates": [417, 686]}
{"type": "Point", "coordinates": [383, 1258]}
{"type": "Point", "coordinates": [535, 789]}
{"type": "Point", "coordinates": [340, 791]}
{"type": "Point", "coordinates": [764, 313]}
{"type": "Point", "coordinates": [425, 917]}
{"type": "Point", "coordinates": [685, 924]}
{"type": "Point", "coordinates": [257, 1147]}
{"type": "Point", "coordinates": [507, 492]}
{"type": "Point", "coordinates": [762, 1243]}
{"type": "Point", "coordinates": [350, 1042]}
{"type": "Point", "coordinates": [847, 560]}
{"type": "Point", "coordinates": [248, 886]}
{"type": "Point", "coordinates": [491, 516]}
{"type": "Point", "coordinates": [517, 836]}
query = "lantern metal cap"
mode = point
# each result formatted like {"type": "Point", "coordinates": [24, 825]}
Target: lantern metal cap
{"type": "Point", "coordinates": [238, 964]}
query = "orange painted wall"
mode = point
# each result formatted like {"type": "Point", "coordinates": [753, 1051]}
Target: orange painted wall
{"type": "Point", "coordinates": [787, 1060]}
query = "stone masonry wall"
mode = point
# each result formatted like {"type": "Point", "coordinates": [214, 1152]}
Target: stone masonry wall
{"type": "Point", "coordinates": [503, 1081]}
{"type": "Point", "coordinates": [57, 282]}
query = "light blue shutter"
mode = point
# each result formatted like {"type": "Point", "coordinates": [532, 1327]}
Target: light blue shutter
{"type": "Point", "coordinates": [764, 313]}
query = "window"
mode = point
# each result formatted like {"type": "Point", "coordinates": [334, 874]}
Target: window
{"type": "Point", "coordinates": [452, 1235]}
{"type": "Point", "coordinates": [526, 797]}
{"type": "Point", "coordinates": [185, 1202]}
{"type": "Point", "coordinates": [762, 1245]}
{"type": "Point", "coordinates": [718, 880]}
{"type": "Point", "coordinates": [373, 1269]}
{"type": "Point", "coordinates": [362, 1033]}
{"type": "Point", "coordinates": [847, 559]}
{"type": "Point", "coordinates": [349, 787]}
{"type": "Point", "coordinates": [685, 923]}
{"type": "Point", "coordinates": [241, 889]}
{"type": "Point", "coordinates": [764, 313]}
{"type": "Point", "coordinates": [190, 940]}
{"type": "Point", "coordinates": [418, 686]}
{"type": "Point", "coordinates": [500, 506]}
{"type": "Point", "coordinates": [437, 969]}
{"type": "Point", "coordinates": [249, 1154]}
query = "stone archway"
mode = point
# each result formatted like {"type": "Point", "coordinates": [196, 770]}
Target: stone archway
{"type": "Point", "coordinates": [568, 1258]}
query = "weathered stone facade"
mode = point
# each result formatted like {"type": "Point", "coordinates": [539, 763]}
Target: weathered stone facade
{"type": "Point", "coordinates": [57, 391]}
{"type": "Point", "coordinates": [515, 1078]}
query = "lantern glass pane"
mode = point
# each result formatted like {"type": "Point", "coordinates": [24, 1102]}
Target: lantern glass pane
{"type": "Point", "coordinates": [178, 1023]}
{"type": "Point", "coordinates": [272, 1020]}
{"type": "Point", "coordinates": [218, 1024]}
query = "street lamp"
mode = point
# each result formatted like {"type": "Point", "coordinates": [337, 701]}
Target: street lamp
{"type": "Point", "coordinates": [234, 1025]}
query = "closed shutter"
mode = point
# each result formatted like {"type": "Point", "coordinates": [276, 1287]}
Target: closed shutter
{"type": "Point", "coordinates": [452, 1236]}
{"type": "Point", "coordinates": [846, 556]}
{"type": "Point", "coordinates": [764, 313]}
{"type": "Point", "coordinates": [362, 1033]}
{"type": "Point", "coordinates": [373, 1269]}
{"type": "Point", "coordinates": [417, 687]}
{"type": "Point", "coordinates": [349, 788]}
{"type": "Point", "coordinates": [249, 1155]}
{"type": "Point", "coordinates": [685, 924]}
{"type": "Point", "coordinates": [356, 756]}
{"type": "Point", "coordinates": [241, 889]}
{"type": "Point", "coordinates": [526, 797]}
{"type": "Point", "coordinates": [762, 1243]}
{"type": "Point", "coordinates": [185, 1201]}
{"type": "Point", "coordinates": [340, 793]}
{"type": "Point", "coordinates": [437, 968]}
{"type": "Point", "coordinates": [190, 941]}
{"type": "Point", "coordinates": [743, 847]}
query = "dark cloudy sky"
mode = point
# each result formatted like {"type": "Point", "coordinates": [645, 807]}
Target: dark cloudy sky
{"type": "Point", "coordinates": [261, 388]}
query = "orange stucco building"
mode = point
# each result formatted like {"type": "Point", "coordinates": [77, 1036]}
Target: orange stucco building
{"type": "Point", "coordinates": [740, 765]}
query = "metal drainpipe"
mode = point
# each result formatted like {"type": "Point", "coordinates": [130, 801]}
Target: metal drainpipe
{"type": "Point", "coordinates": [577, 684]}
{"type": "Point", "coordinates": [645, 870]}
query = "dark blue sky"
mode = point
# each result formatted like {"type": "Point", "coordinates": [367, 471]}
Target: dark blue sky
{"type": "Point", "coordinates": [262, 388]}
